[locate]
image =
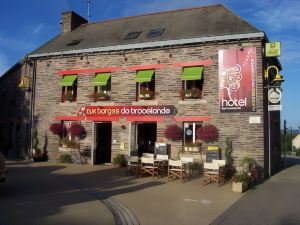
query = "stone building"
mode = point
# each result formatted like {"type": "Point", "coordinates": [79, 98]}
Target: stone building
{"type": "Point", "coordinates": [125, 80]}
{"type": "Point", "coordinates": [15, 113]}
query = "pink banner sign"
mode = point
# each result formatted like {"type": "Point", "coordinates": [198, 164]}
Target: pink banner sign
{"type": "Point", "coordinates": [237, 80]}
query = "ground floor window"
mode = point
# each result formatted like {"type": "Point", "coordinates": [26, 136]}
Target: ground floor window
{"type": "Point", "coordinates": [66, 135]}
{"type": "Point", "coordinates": [190, 129]}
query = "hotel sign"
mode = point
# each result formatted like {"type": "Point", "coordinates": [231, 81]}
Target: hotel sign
{"type": "Point", "coordinates": [117, 111]}
{"type": "Point", "coordinates": [273, 49]}
{"type": "Point", "coordinates": [237, 80]}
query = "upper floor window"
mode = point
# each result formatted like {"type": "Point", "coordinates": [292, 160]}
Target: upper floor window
{"type": "Point", "coordinates": [145, 85]}
{"type": "Point", "coordinates": [192, 82]}
{"type": "Point", "coordinates": [69, 88]}
{"type": "Point", "coordinates": [102, 87]}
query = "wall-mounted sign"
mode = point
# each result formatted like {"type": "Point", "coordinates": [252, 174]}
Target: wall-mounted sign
{"type": "Point", "coordinates": [254, 120]}
{"type": "Point", "coordinates": [274, 95]}
{"type": "Point", "coordinates": [274, 107]}
{"type": "Point", "coordinates": [273, 49]}
{"type": "Point", "coordinates": [116, 111]}
{"type": "Point", "coordinates": [237, 80]}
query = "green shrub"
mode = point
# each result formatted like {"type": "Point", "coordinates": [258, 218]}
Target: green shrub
{"type": "Point", "coordinates": [298, 152]}
{"type": "Point", "coordinates": [119, 160]}
{"type": "Point", "coordinates": [65, 158]}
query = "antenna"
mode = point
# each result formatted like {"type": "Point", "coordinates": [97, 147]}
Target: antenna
{"type": "Point", "coordinates": [88, 12]}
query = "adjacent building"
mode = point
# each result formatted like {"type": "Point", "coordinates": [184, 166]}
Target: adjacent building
{"type": "Point", "coordinates": [125, 80]}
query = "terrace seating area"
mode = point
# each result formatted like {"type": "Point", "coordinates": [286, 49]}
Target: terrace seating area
{"type": "Point", "coordinates": [161, 166]}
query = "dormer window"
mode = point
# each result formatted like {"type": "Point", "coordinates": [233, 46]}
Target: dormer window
{"type": "Point", "coordinates": [155, 32]}
{"type": "Point", "coordinates": [132, 35]}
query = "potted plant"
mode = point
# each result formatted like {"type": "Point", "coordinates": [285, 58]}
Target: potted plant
{"type": "Point", "coordinates": [120, 160]}
{"type": "Point", "coordinates": [192, 93]}
{"type": "Point", "coordinates": [240, 182]}
{"type": "Point", "coordinates": [146, 93]}
{"type": "Point", "coordinates": [101, 96]}
{"type": "Point", "coordinates": [68, 97]}
{"type": "Point", "coordinates": [37, 154]}
{"type": "Point", "coordinates": [208, 133]}
{"type": "Point", "coordinates": [58, 129]}
{"type": "Point", "coordinates": [173, 132]}
{"type": "Point", "coordinates": [192, 147]}
{"type": "Point", "coordinates": [229, 169]}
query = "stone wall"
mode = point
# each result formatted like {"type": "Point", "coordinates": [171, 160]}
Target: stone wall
{"type": "Point", "coordinates": [248, 139]}
{"type": "Point", "coordinates": [15, 112]}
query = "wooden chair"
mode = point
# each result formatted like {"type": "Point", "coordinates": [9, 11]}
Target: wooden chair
{"type": "Point", "coordinates": [148, 166]}
{"type": "Point", "coordinates": [148, 155]}
{"type": "Point", "coordinates": [163, 164]}
{"type": "Point", "coordinates": [176, 169]}
{"type": "Point", "coordinates": [214, 172]}
{"type": "Point", "coordinates": [188, 161]}
{"type": "Point", "coordinates": [132, 165]}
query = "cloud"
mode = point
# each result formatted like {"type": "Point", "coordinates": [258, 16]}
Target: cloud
{"type": "Point", "coordinates": [280, 16]}
{"type": "Point", "coordinates": [38, 29]}
{"type": "Point", "coordinates": [15, 44]}
{"type": "Point", "coordinates": [3, 63]}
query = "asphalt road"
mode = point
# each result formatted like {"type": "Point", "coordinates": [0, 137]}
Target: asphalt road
{"type": "Point", "coordinates": [35, 196]}
{"type": "Point", "coordinates": [275, 202]}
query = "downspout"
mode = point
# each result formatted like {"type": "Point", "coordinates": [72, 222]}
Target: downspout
{"type": "Point", "coordinates": [32, 103]}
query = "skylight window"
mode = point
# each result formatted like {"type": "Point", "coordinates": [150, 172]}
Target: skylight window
{"type": "Point", "coordinates": [75, 42]}
{"type": "Point", "coordinates": [132, 35]}
{"type": "Point", "coordinates": [155, 32]}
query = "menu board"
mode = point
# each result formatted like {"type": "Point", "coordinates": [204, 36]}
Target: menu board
{"type": "Point", "coordinates": [213, 152]}
{"type": "Point", "coordinates": [161, 148]}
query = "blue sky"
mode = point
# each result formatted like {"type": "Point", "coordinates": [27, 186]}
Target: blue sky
{"type": "Point", "coordinates": [25, 25]}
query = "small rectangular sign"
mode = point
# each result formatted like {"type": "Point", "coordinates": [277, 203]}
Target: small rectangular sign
{"type": "Point", "coordinates": [254, 119]}
{"type": "Point", "coordinates": [273, 49]}
{"type": "Point", "coordinates": [274, 107]}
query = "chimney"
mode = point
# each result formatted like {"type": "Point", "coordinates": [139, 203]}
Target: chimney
{"type": "Point", "coordinates": [70, 21]}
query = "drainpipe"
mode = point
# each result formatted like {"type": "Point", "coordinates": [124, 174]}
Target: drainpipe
{"type": "Point", "coordinates": [32, 101]}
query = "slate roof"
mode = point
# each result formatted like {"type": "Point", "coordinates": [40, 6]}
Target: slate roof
{"type": "Point", "coordinates": [209, 21]}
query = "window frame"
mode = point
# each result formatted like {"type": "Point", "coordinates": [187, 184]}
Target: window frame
{"type": "Point", "coordinates": [149, 87]}
{"type": "Point", "coordinates": [69, 89]}
{"type": "Point", "coordinates": [66, 133]}
{"type": "Point", "coordinates": [195, 126]}
{"type": "Point", "coordinates": [106, 89]}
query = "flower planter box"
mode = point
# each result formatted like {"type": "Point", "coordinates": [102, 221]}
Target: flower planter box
{"type": "Point", "coordinates": [239, 187]}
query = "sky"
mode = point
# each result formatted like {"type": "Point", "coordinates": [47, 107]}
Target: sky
{"type": "Point", "coordinates": [25, 25]}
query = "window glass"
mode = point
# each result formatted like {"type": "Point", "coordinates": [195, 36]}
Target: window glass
{"type": "Point", "coordinates": [102, 93]}
{"type": "Point", "coordinates": [67, 136]}
{"type": "Point", "coordinates": [192, 89]}
{"type": "Point", "coordinates": [146, 90]}
{"type": "Point", "coordinates": [190, 130]}
{"type": "Point", "coordinates": [69, 93]}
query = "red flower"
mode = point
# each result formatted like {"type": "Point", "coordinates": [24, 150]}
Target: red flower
{"type": "Point", "coordinates": [77, 130]}
{"type": "Point", "coordinates": [208, 133]}
{"type": "Point", "coordinates": [57, 129]}
{"type": "Point", "coordinates": [173, 132]}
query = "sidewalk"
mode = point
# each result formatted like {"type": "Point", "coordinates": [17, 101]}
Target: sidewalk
{"type": "Point", "coordinates": [275, 202]}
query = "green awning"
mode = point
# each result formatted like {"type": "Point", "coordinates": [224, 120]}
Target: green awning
{"type": "Point", "coordinates": [101, 79]}
{"type": "Point", "coordinates": [192, 73]}
{"type": "Point", "coordinates": [144, 76]}
{"type": "Point", "coordinates": [68, 80]}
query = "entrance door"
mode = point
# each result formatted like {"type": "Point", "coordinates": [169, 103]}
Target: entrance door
{"type": "Point", "coordinates": [146, 137]}
{"type": "Point", "coordinates": [103, 143]}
